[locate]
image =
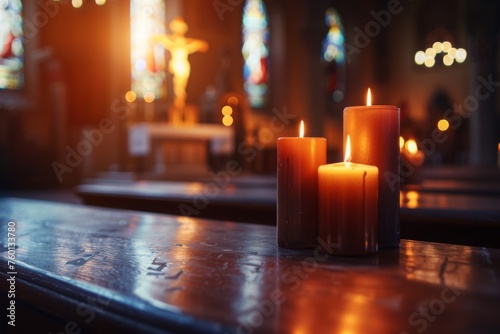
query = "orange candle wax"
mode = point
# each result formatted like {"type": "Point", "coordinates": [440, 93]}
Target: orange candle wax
{"type": "Point", "coordinates": [297, 205]}
{"type": "Point", "coordinates": [348, 206]}
{"type": "Point", "coordinates": [374, 132]}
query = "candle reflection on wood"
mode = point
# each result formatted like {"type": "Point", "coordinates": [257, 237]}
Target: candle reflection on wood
{"type": "Point", "coordinates": [298, 162]}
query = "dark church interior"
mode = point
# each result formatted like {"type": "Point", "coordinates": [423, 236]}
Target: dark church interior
{"type": "Point", "coordinates": [250, 166]}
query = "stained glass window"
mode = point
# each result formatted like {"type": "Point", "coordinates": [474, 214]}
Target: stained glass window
{"type": "Point", "coordinates": [11, 45]}
{"type": "Point", "coordinates": [334, 55]}
{"type": "Point", "coordinates": [147, 18]}
{"type": "Point", "coordinates": [255, 52]}
{"type": "Point", "coordinates": [333, 44]}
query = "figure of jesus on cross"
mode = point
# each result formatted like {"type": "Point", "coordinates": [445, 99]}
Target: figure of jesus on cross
{"type": "Point", "coordinates": [180, 48]}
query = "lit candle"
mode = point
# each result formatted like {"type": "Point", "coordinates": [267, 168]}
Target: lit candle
{"type": "Point", "coordinates": [412, 160]}
{"type": "Point", "coordinates": [348, 206]}
{"type": "Point", "coordinates": [374, 132]}
{"type": "Point", "coordinates": [298, 162]}
{"type": "Point", "coordinates": [412, 154]}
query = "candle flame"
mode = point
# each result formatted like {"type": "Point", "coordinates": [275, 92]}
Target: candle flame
{"type": "Point", "coordinates": [347, 156]}
{"type": "Point", "coordinates": [369, 97]}
{"type": "Point", "coordinates": [301, 131]}
{"type": "Point", "coordinates": [401, 143]}
{"type": "Point", "coordinates": [411, 146]}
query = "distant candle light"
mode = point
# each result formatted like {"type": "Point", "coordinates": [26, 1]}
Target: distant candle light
{"type": "Point", "coordinates": [227, 110]}
{"type": "Point", "coordinates": [369, 97]}
{"type": "Point", "coordinates": [149, 97]}
{"type": "Point", "coordinates": [443, 125]}
{"type": "Point", "coordinates": [233, 101]}
{"type": "Point", "coordinates": [438, 47]}
{"type": "Point", "coordinates": [401, 142]}
{"type": "Point", "coordinates": [227, 120]}
{"type": "Point", "coordinates": [411, 146]}
{"type": "Point", "coordinates": [301, 130]}
{"type": "Point", "coordinates": [77, 3]}
{"type": "Point", "coordinates": [130, 96]}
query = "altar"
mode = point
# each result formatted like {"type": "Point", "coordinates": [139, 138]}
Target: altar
{"type": "Point", "coordinates": [164, 146]}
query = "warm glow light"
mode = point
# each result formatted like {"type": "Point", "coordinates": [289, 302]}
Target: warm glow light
{"type": "Point", "coordinates": [443, 125]}
{"type": "Point", "coordinates": [430, 52]}
{"type": "Point", "coordinates": [232, 101]}
{"type": "Point", "coordinates": [147, 58]}
{"type": "Point", "coordinates": [428, 58]}
{"type": "Point", "coordinates": [412, 197]}
{"type": "Point", "coordinates": [301, 130]}
{"type": "Point", "coordinates": [347, 156]}
{"type": "Point", "coordinates": [438, 47]}
{"type": "Point", "coordinates": [420, 57]}
{"type": "Point", "coordinates": [452, 52]}
{"type": "Point", "coordinates": [100, 2]}
{"type": "Point", "coordinates": [446, 46]}
{"type": "Point", "coordinates": [411, 146]}
{"type": "Point", "coordinates": [430, 61]}
{"type": "Point", "coordinates": [77, 3]}
{"type": "Point", "coordinates": [181, 68]}
{"type": "Point", "coordinates": [401, 142]}
{"type": "Point", "coordinates": [369, 97]}
{"type": "Point", "coordinates": [461, 55]}
{"type": "Point", "coordinates": [227, 111]}
{"type": "Point", "coordinates": [448, 60]}
{"type": "Point", "coordinates": [149, 97]}
{"type": "Point", "coordinates": [130, 96]}
{"type": "Point", "coordinates": [227, 120]}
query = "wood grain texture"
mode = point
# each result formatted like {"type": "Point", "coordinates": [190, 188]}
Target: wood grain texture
{"type": "Point", "coordinates": [154, 273]}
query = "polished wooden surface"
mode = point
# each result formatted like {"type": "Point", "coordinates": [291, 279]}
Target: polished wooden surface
{"type": "Point", "coordinates": [463, 216]}
{"type": "Point", "coordinates": [240, 201]}
{"type": "Point", "coordinates": [107, 270]}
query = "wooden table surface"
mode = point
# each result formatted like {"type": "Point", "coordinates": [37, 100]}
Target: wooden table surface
{"type": "Point", "coordinates": [109, 270]}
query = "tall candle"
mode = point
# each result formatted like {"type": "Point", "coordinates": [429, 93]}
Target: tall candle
{"type": "Point", "coordinates": [374, 132]}
{"type": "Point", "coordinates": [348, 207]}
{"type": "Point", "coordinates": [298, 162]}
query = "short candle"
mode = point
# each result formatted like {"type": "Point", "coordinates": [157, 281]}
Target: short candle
{"type": "Point", "coordinates": [297, 203]}
{"type": "Point", "coordinates": [348, 207]}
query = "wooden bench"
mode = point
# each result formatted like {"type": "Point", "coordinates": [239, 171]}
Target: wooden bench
{"type": "Point", "coordinates": [439, 216]}
{"type": "Point", "coordinates": [84, 269]}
